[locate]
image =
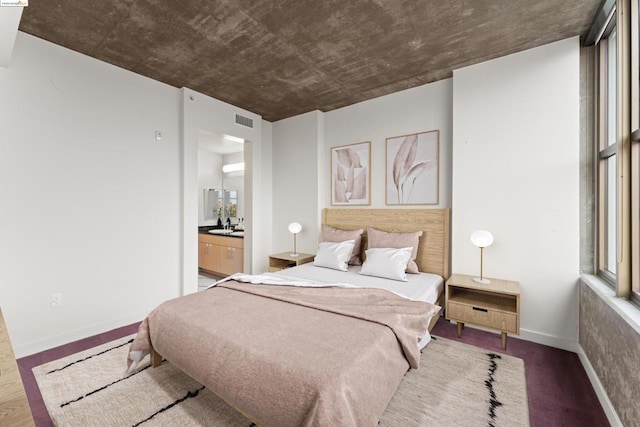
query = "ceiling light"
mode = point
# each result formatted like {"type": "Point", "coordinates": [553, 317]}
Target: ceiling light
{"type": "Point", "coordinates": [233, 167]}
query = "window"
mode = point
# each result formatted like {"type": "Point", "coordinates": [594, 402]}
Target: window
{"type": "Point", "coordinates": [635, 216]}
{"type": "Point", "coordinates": [635, 151]}
{"type": "Point", "coordinates": [618, 142]}
{"type": "Point", "coordinates": [607, 159]}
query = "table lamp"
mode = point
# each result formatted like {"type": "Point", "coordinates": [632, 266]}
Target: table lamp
{"type": "Point", "coordinates": [481, 239]}
{"type": "Point", "coordinates": [294, 228]}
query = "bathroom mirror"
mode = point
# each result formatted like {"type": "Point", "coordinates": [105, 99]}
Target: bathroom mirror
{"type": "Point", "coordinates": [220, 204]}
{"type": "Point", "coordinates": [212, 204]}
{"type": "Point", "coordinates": [231, 204]}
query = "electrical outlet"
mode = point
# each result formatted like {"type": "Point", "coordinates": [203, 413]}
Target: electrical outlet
{"type": "Point", "coordinates": [56, 299]}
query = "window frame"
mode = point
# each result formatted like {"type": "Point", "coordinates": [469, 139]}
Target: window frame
{"type": "Point", "coordinates": [635, 216]}
{"type": "Point", "coordinates": [634, 150]}
{"type": "Point", "coordinates": [605, 150]}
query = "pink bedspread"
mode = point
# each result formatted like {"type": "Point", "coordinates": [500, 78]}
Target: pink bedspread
{"type": "Point", "coordinates": [291, 356]}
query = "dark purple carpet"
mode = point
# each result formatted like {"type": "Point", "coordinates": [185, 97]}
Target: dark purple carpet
{"type": "Point", "coordinates": [559, 390]}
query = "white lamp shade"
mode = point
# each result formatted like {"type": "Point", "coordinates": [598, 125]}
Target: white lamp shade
{"type": "Point", "coordinates": [481, 238]}
{"type": "Point", "coordinates": [295, 228]}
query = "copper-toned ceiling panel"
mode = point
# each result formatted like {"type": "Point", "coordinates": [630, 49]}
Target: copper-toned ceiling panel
{"type": "Point", "coordinates": [280, 58]}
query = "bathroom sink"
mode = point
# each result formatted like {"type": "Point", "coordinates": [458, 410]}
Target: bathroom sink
{"type": "Point", "coordinates": [220, 231]}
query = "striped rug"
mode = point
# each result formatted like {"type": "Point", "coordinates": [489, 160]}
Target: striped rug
{"type": "Point", "coordinates": [456, 385]}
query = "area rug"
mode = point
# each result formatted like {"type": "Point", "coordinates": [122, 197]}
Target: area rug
{"type": "Point", "coordinates": [456, 385]}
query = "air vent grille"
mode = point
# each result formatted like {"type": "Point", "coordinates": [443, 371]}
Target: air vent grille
{"type": "Point", "coordinates": [244, 121]}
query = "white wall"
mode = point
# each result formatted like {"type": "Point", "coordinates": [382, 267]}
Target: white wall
{"type": "Point", "coordinates": [296, 186]}
{"type": "Point", "coordinates": [420, 109]}
{"type": "Point", "coordinates": [259, 162]}
{"type": "Point", "coordinates": [9, 22]}
{"type": "Point", "coordinates": [233, 157]}
{"type": "Point", "coordinates": [302, 145]}
{"type": "Point", "coordinates": [515, 173]}
{"type": "Point", "coordinates": [89, 200]}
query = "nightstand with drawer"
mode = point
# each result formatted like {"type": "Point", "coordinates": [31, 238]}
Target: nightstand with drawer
{"type": "Point", "coordinates": [284, 260]}
{"type": "Point", "coordinates": [495, 305]}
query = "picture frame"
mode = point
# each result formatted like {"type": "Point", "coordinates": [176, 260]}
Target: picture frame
{"type": "Point", "coordinates": [412, 169]}
{"type": "Point", "coordinates": [351, 174]}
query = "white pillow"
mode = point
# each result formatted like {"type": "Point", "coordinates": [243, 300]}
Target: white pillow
{"type": "Point", "coordinates": [334, 255]}
{"type": "Point", "coordinates": [388, 263]}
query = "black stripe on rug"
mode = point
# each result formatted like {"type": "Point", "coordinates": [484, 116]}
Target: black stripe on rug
{"type": "Point", "coordinates": [494, 403]}
{"type": "Point", "coordinates": [106, 386]}
{"type": "Point", "coordinates": [89, 357]}
{"type": "Point", "coordinates": [189, 395]}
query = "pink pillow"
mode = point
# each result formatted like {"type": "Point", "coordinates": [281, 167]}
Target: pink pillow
{"type": "Point", "coordinates": [330, 234]}
{"type": "Point", "coordinates": [383, 239]}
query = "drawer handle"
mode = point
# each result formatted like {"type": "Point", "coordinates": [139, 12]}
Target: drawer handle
{"type": "Point", "coordinates": [484, 310]}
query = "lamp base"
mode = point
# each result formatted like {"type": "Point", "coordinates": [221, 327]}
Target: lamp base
{"type": "Point", "coordinates": [294, 255]}
{"type": "Point", "coordinates": [481, 281]}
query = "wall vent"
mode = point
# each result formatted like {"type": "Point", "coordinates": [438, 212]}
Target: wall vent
{"type": "Point", "coordinates": [244, 121]}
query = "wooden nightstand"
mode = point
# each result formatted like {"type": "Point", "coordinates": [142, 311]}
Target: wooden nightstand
{"type": "Point", "coordinates": [495, 305]}
{"type": "Point", "coordinates": [284, 260]}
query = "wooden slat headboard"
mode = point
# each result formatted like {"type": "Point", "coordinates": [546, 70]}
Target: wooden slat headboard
{"type": "Point", "coordinates": [433, 251]}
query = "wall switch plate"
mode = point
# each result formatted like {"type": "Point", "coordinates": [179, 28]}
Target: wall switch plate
{"type": "Point", "coordinates": [158, 135]}
{"type": "Point", "coordinates": [56, 300]}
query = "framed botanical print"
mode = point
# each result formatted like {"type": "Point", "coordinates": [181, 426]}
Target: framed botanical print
{"type": "Point", "coordinates": [351, 174]}
{"type": "Point", "coordinates": [412, 169]}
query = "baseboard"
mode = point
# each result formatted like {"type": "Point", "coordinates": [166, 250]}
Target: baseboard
{"type": "Point", "coordinates": [77, 334]}
{"type": "Point", "coordinates": [536, 337]}
{"type": "Point", "coordinates": [607, 406]}
{"type": "Point", "coordinates": [550, 340]}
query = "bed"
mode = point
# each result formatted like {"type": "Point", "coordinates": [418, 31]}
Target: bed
{"type": "Point", "coordinates": [425, 287]}
{"type": "Point", "coordinates": [307, 355]}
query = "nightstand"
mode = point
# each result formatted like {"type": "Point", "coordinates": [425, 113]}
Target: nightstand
{"type": "Point", "coordinates": [495, 305]}
{"type": "Point", "coordinates": [284, 260]}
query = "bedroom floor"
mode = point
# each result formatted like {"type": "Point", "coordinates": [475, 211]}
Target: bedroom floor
{"type": "Point", "coordinates": [559, 390]}
{"type": "Point", "coordinates": [206, 279]}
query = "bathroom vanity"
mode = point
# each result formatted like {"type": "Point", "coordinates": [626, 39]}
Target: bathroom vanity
{"type": "Point", "coordinates": [221, 254]}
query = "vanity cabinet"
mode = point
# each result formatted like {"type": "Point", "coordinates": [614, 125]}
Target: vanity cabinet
{"type": "Point", "coordinates": [208, 255]}
{"type": "Point", "coordinates": [232, 259]}
{"type": "Point", "coordinates": [221, 254]}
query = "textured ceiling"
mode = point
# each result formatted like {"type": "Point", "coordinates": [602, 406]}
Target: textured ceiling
{"type": "Point", "coordinates": [281, 58]}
